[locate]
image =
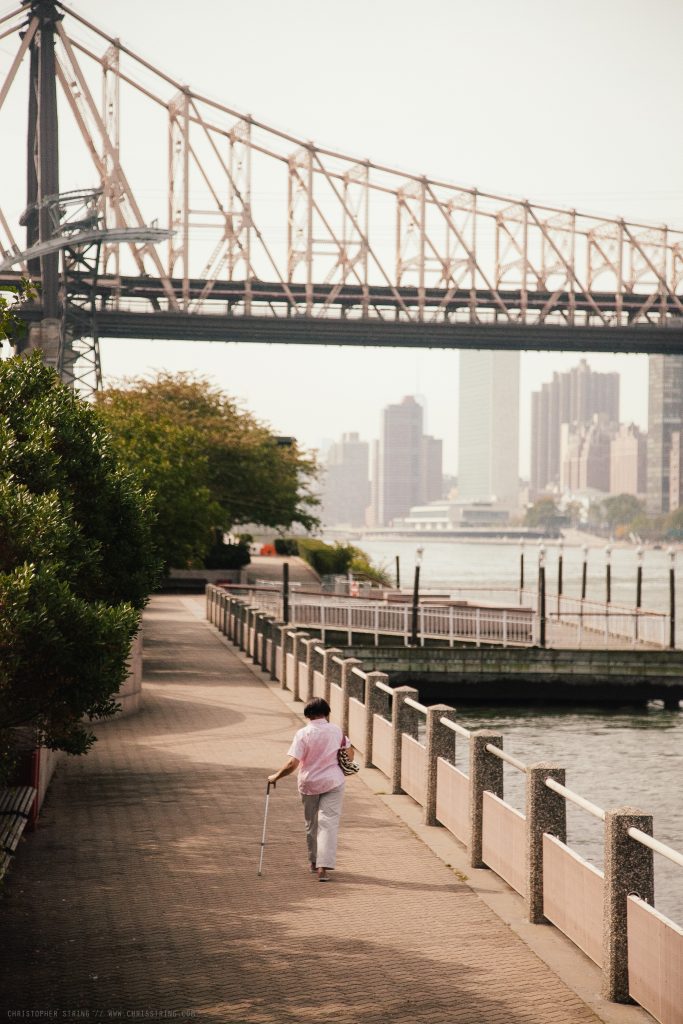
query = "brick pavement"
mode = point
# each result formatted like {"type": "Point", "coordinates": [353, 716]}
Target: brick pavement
{"type": "Point", "coordinates": [138, 899]}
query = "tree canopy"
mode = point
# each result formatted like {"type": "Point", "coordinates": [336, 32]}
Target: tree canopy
{"type": "Point", "coordinates": [544, 515]}
{"type": "Point", "coordinates": [77, 560]}
{"type": "Point", "coordinates": [207, 462]}
{"type": "Point", "coordinates": [621, 510]}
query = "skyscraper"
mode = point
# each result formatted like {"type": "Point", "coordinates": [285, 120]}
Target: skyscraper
{"type": "Point", "coordinates": [432, 469]}
{"type": "Point", "coordinates": [628, 461]}
{"type": "Point", "coordinates": [399, 465]}
{"type": "Point", "coordinates": [346, 487]}
{"type": "Point", "coordinates": [665, 417]}
{"type": "Point", "coordinates": [488, 432]}
{"type": "Point", "coordinates": [574, 397]}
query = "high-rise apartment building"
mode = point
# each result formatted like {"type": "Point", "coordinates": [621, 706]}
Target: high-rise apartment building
{"type": "Point", "coordinates": [400, 460]}
{"type": "Point", "coordinates": [432, 468]}
{"type": "Point", "coordinates": [665, 418]}
{"type": "Point", "coordinates": [628, 461]}
{"type": "Point", "coordinates": [585, 461]}
{"type": "Point", "coordinates": [675, 472]}
{"type": "Point", "coordinates": [409, 464]}
{"type": "Point", "coordinates": [488, 428]}
{"type": "Point", "coordinates": [346, 487]}
{"type": "Point", "coordinates": [574, 398]}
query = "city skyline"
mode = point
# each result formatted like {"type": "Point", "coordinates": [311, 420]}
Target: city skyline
{"type": "Point", "coordinates": [614, 179]}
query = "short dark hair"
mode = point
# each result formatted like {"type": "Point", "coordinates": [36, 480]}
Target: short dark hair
{"type": "Point", "coordinates": [317, 708]}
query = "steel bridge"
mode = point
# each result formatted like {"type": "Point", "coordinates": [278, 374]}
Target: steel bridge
{"type": "Point", "coordinates": [271, 238]}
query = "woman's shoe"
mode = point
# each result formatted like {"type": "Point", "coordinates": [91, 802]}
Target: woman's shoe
{"type": "Point", "coordinates": [322, 875]}
{"type": "Point", "coordinates": [313, 867]}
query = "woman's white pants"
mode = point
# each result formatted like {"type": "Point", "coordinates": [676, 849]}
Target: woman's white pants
{"type": "Point", "coordinates": [322, 812]}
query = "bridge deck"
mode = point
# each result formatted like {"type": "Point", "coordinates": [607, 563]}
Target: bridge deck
{"type": "Point", "coordinates": [139, 891]}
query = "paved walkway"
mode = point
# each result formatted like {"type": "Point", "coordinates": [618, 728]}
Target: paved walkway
{"type": "Point", "coordinates": [138, 899]}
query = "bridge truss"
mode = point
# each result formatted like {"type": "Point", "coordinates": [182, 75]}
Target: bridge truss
{"type": "Point", "coordinates": [277, 239]}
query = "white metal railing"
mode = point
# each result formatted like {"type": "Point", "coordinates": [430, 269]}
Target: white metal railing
{"type": "Point", "coordinates": [654, 844]}
{"type": "Point", "coordinates": [415, 704]}
{"type": "Point", "coordinates": [574, 798]}
{"type": "Point", "coordinates": [504, 756]}
{"type": "Point", "coordinates": [455, 727]}
{"type": "Point", "coordinates": [383, 686]}
{"type": "Point", "coordinates": [515, 624]}
{"type": "Point", "coordinates": [609, 620]}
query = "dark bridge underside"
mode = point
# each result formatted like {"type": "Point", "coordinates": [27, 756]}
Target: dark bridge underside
{"type": "Point", "coordinates": [447, 317]}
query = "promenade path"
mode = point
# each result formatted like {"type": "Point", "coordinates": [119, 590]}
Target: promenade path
{"type": "Point", "coordinates": [137, 898]}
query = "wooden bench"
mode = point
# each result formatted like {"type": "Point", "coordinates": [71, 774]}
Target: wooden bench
{"type": "Point", "coordinates": [15, 807]}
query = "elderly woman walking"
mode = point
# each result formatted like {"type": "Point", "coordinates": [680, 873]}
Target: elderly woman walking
{"type": "Point", "coordinates": [314, 752]}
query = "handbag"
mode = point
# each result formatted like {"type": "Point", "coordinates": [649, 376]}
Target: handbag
{"type": "Point", "coordinates": [348, 766]}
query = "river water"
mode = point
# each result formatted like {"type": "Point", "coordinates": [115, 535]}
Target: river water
{"type": "Point", "coordinates": [613, 758]}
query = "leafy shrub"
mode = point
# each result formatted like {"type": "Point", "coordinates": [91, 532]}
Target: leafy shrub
{"type": "Point", "coordinates": [286, 546]}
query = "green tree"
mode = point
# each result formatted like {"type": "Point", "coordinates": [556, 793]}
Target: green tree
{"type": "Point", "coordinates": [208, 461]}
{"type": "Point", "coordinates": [621, 510]}
{"type": "Point", "coordinates": [543, 515]}
{"type": "Point", "coordinates": [673, 526]}
{"type": "Point", "coordinates": [76, 559]}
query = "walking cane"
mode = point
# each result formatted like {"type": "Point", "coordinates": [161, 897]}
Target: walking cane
{"type": "Point", "coordinates": [265, 819]}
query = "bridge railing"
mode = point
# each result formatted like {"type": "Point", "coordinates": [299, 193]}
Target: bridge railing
{"type": "Point", "coordinates": [609, 913]}
{"type": "Point", "coordinates": [509, 627]}
{"type": "Point", "coordinates": [587, 617]}
{"type": "Point", "coordinates": [515, 623]}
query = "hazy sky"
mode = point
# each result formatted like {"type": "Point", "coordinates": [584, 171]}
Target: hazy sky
{"type": "Point", "coordinates": [574, 103]}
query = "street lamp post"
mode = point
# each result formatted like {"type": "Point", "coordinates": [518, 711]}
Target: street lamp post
{"type": "Point", "coordinates": [672, 598]}
{"type": "Point", "coordinates": [560, 560]}
{"type": "Point", "coordinates": [285, 592]}
{"type": "Point", "coordinates": [608, 574]}
{"type": "Point", "coordinates": [541, 595]}
{"type": "Point", "coordinates": [639, 587]}
{"type": "Point", "coordinates": [521, 572]}
{"type": "Point", "coordinates": [414, 639]}
{"type": "Point", "coordinates": [584, 572]}
{"type": "Point", "coordinates": [398, 573]}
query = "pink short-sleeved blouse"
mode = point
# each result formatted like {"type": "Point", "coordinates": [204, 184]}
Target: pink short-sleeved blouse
{"type": "Point", "coordinates": [315, 747]}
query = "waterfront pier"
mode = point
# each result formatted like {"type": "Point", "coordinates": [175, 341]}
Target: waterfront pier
{"type": "Point", "coordinates": [609, 914]}
{"type": "Point", "coordinates": [138, 892]}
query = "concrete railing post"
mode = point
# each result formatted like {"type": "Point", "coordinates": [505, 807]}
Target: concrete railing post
{"type": "Point", "coordinates": [402, 720]}
{"type": "Point", "coordinates": [249, 629]}
{"type": "Point", "coordinates": [629, 869]}
{"type": "Point", "coordinates": [347, 666]}
{"type": "Point", "coordinates": [309, 646]}
{"type": "Point", "coordinates": [251, 632]}
{"type": "Point", "coordinates": [374, 701]}
{"type": "Point", "coordinates": [283, 631]}
{"type": "Point", "coordinates": [546, 811]}
{"type": "Point", "coordinates": [287, 645]}
{"type": "Point", "coordinates": [330, 653]}
{"type": "Point", "coordinates": [276, 637]}
{"type": "Point", "coordinates": [486, 773]}
{"type": "Point", "coordinates": [258, 626]}
{"type": "Point", "coordinates": [297, 648]}
{"type": "Point", "coordinates": [440, 743]}
{"type": "Point", "coordinates": [244, 616]}
{"type": "Point", "coordinates": [235, 615]}
{"type": "Point", "coordinates": [267, 628]}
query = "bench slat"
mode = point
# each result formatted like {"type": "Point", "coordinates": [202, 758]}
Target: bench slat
{"type": "Point", "coordinates": [10, 832]}
{"type": "Point", "coordinates": [17, 800]}
{"type": "Point", "coordinates": [4, 863]}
